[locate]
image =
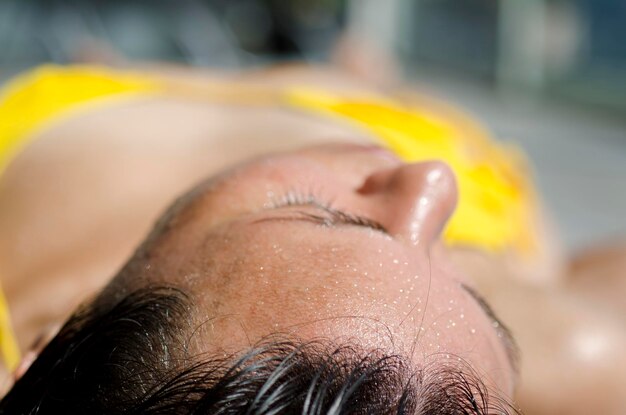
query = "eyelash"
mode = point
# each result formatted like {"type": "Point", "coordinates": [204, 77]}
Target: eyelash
{"type": "Point", "coordinates": [296, 198]}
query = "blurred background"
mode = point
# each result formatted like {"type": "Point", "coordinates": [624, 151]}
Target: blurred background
{"type": "Point", "coordinates": [547, 74]}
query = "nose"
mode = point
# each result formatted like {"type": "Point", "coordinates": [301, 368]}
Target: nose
{"type": "Point", "coordinates": [413, 201]}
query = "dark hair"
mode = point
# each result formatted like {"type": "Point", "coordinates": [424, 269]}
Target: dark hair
{"type": "Point", "coordinates": [129, 358]}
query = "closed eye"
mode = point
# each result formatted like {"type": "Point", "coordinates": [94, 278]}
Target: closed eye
{"type": "Point", "coordinates": [333, 217]}
{"type": "Point", "coordinates": [326, 214]}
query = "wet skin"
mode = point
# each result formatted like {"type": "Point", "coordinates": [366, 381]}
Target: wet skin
{"type": "Point", "coordinates": [338, 242]}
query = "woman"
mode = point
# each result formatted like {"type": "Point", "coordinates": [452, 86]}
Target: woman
{"type": "Point", "coordinates": [311, 280]}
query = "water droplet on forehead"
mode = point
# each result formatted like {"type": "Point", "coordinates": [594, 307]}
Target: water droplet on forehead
{"type": "Point", "coordinates": [395, 261]}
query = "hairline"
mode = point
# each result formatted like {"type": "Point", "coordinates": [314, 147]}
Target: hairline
{"type": "Point", "coordinates": [171, 304]}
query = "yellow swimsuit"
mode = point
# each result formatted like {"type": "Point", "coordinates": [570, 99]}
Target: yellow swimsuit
{"type": "Point", "coordinates": [496, 199]}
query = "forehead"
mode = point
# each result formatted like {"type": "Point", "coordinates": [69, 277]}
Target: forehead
{"type": "Point", "coordinates": [281, 241]}
{"type": "Point", "coordinates": [250, 277]}
{"type": "Point", "coordinates": [260, 268]}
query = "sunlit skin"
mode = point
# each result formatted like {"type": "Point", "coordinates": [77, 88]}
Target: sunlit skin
{"type": "Point", "coordinates": [82, 195]}
{"type": "Point", "coordinates": [261, 253]}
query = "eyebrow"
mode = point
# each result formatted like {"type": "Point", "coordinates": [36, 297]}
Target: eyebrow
{"type": "Point", "coordinates": [504, 333]}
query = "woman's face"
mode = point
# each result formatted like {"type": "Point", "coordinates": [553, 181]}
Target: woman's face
{"type": "Point", "coordinates": [338, 242]}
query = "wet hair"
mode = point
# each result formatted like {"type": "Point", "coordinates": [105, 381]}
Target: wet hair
{"type": "Point", "coordinates": [130, 357]}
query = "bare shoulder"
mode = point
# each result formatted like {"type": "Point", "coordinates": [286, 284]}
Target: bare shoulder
{"type": "Point", "coordinates": [599, 274]}
{"type": "Point", "coordinates": [270, 77]}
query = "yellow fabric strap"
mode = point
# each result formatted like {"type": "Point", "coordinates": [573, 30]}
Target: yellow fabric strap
{"type": "Point", "coordinates": [496, 200]}
{"type": "Point", "coordinates": [30, 103]}
{"type": "Point", "coordinates": [35, 99]}
{"type": "Point", "coordinates": [495, 197]}
{"type": "Point", "coordinates": [8, 343]}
